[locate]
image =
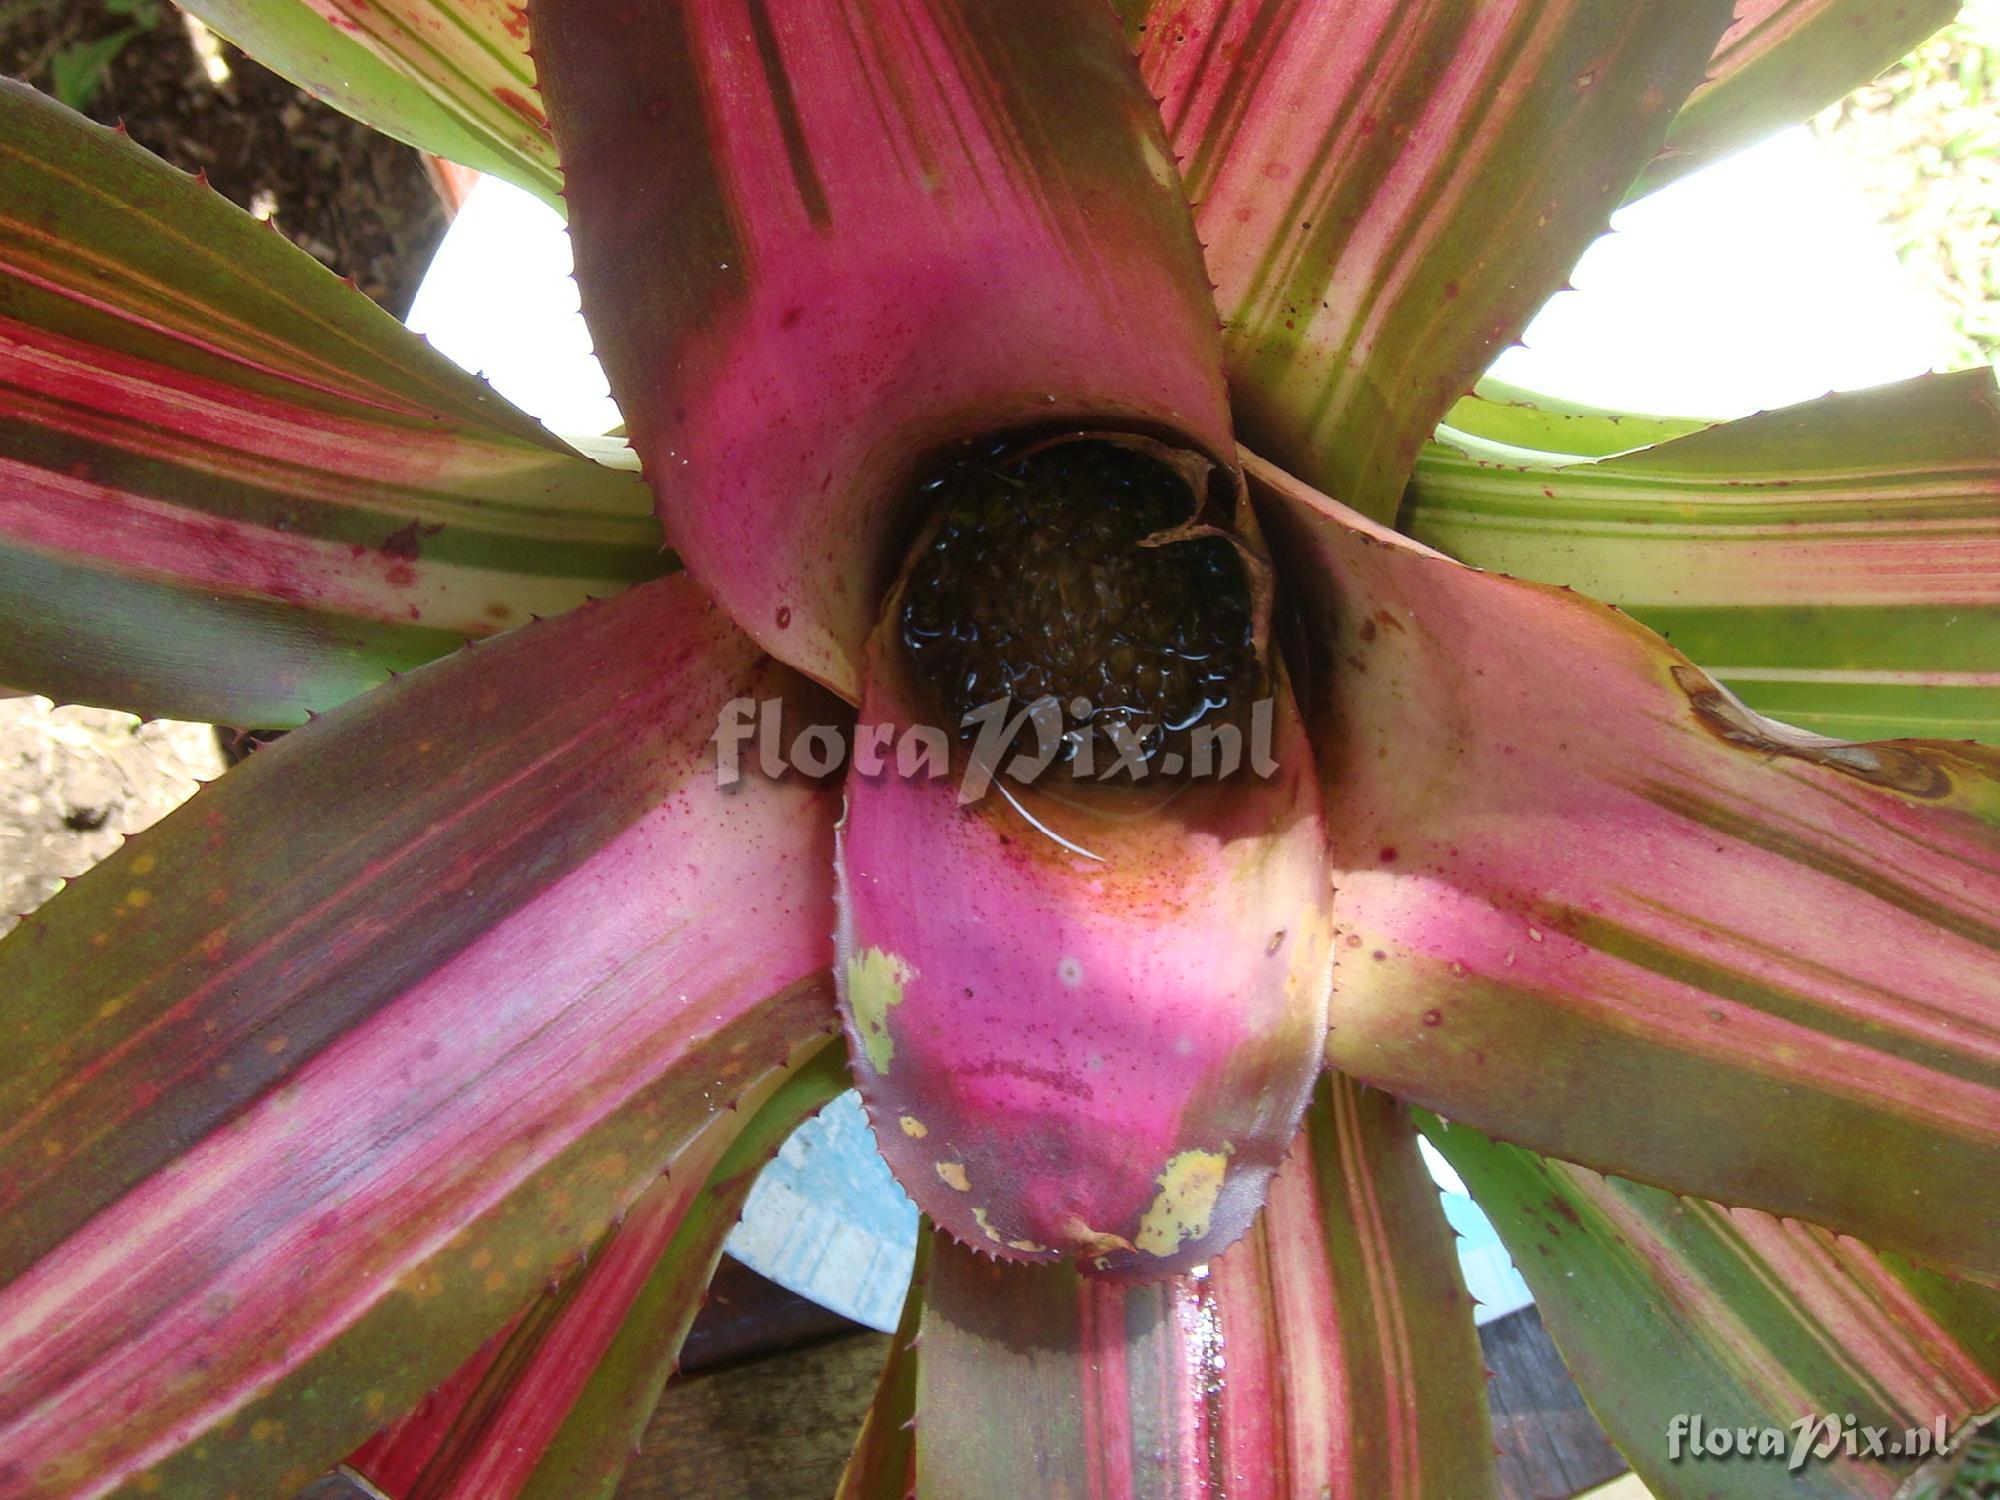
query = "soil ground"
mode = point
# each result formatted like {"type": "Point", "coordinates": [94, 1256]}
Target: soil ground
{"type": "Point", "coordinates": [356, 200]}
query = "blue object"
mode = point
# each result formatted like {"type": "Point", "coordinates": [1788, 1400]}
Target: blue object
{"type": "Point", "coordinates": [828, 1221]}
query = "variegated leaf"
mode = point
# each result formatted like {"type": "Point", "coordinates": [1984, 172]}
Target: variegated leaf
{"type": "Point", "coordinates": [1506, 424]}
{"type": "Point", "coordinates": [1673, 1312]}
{"type": "Point", "coordinates": [1592, 904]}
{"type": "Point", "coordinates": [1837, 564]}
{"type": "Point", "coordinates": [233, 489]}
{"type": "Point", "coordinates": [820, 246]}
{"type": "Point", "coordinates": [1780, 61]}
{"type": "Point", "coordinates": [1389, 190]}
{"type": "Point", "coordinates": [454, 77]}
{"type": "Point", "coordinates": [312, 1085]}
{"type": "Point", "coordinates": [556, 1405]}
{"type": "Point", "coordinates": [1331, 1352]}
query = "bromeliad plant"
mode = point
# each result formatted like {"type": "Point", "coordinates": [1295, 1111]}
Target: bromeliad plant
{"type": "Point", "coordinates": [433, 1049]}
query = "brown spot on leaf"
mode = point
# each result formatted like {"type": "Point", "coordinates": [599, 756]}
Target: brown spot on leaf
{"type": "Point", "coordinates": [405, 541]}
{"type": "Point", "coordinates": [1908, 767]}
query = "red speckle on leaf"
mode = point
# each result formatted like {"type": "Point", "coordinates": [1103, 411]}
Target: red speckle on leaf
{"type": "Point", "coordinates": [401, 576]}
{"type": "Point", "coordinates": [784, 616]}
{"type": "Point", "coordinates": [1433, 1017]}
{"type": "Point", "coordinates": [1388, 854]}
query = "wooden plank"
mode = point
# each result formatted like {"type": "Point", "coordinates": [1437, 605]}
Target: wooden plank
{"type": "Point", "coordinates": [1550, 1446]}
{"type": "Point", "coordinates": [746, 1315]}
{"type": "Point", "coordinates": [776, 1428]}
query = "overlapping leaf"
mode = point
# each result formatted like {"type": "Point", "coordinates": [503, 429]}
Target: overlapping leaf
{"type": "Point", "coordinates": [313, 1084]}
{"type": "Point", "coordinates": [1837, 563]}
{"type": "Point", "coordinates": [883, 1465]}
{"type": "Point", "coordinates": [1591, 904]}
{"type": "Point", "coordinates": [1330, 1352]}
{"type": "Point", "coordinates": [1389, 190]}
{"type": "Point", "coordinates": [450, 76]}
{"type": "Point", "coordinates": [1780, 61]}
{"type": "Point", "coordinates": [555, 1406]}
{"type": "Point", "coordinates": [1509, 425]}
{"type": "Point", "coordinates": [231, 488]}
{"type": "Point", "coordinates": [1669, 1310]}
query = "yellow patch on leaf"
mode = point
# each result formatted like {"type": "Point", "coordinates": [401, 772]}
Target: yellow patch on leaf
{"type": "Point", "coordinates": [954, 1176]}
{"type": "Point", "coordinates": [1084, 1240]}
{"type": "Point", "coordinates": [875, 981]}
{"type": "Point", "coordinates": [1189, 1186]}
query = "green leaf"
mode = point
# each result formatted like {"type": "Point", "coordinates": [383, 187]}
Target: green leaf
{"type": "Point", "coordinates": [233, 489]}
{"type": "Point", "coordinates": [1672, 1309]}
{"type": "Point", "coordinates": [1331, 1351]}
{"type": "Point", "coordinates": [453, 77]}
{"type": "Point", "coordinates": [1509, 425]}
{"type": "Point", "coordinates": [1782, 60]}
{"type": "Point", "coordinates": [1836, 563]}
{"type": "Point", "coordinates": [77, 72]}
{"type": "Point", "coordinates": [557, 1404]}
{"type": "Point", "coordinates": [313, 1084]}
{"type": "Point", "coordinates": [1591, 904]}
{"type": "Point", "coordinates": [883, 1465]}
{"type": "Point", "coordinates": [1389, 190]}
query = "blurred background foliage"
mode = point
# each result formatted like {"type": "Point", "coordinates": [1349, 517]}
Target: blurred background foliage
{"type": "Point", "coordinates": [1923, 144]}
